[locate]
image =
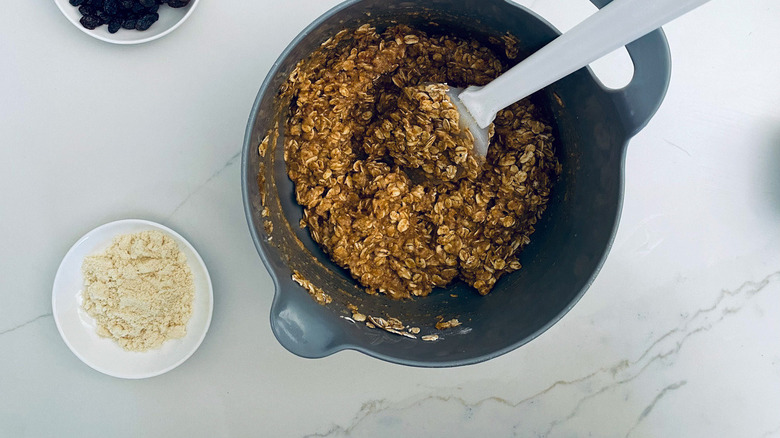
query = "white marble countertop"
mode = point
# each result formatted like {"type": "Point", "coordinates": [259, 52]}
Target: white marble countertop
{"type": "Point", "coordinates": [678, 336]}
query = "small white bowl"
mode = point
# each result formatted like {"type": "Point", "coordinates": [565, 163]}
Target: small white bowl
{"type": "Point", "coordinates": [170, 19]}
{"type": "Point", "coordinates": [77, 328]}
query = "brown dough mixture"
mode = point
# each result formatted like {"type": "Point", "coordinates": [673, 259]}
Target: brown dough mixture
{"type": "Point", "coordinates": [398, 198]}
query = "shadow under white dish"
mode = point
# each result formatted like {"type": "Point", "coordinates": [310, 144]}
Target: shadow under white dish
{"type": "Point", "coordinates": [170, 19]}
{"type": "Point", "coordinates": [77, 328]}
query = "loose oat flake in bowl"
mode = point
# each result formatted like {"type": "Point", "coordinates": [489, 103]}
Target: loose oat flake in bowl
{"type": "Point", "coordinates": [140, 290]}
{"type": "Point", "coordinates": [395, 197]}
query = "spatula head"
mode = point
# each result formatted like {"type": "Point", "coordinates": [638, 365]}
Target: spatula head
{"type": "Point", "coordinates": [467, 122]}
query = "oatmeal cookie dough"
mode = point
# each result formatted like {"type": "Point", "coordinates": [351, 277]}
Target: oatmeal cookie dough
{"type": "Point", "coordinates": [358, 177]}
{"type": "Point", "coordinates": [423, 132]}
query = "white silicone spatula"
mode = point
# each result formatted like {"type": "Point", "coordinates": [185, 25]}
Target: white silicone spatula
{"type": "Point", "coordinates": [614, 26]}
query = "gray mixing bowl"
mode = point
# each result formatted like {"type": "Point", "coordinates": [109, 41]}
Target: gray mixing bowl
{"type": "Point", "coordinates": [592, 125]}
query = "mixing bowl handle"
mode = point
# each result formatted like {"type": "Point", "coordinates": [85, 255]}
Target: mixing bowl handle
{"type": "Point", "coordinates": [640, 99]}
{"type": "Point", "coordinates": [297, 324]}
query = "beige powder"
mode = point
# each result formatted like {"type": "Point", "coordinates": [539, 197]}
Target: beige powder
{"type": "Point", "coordinates": [139, 291]}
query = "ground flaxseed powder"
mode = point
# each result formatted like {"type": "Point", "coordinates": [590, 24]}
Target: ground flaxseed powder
{"type": "Point", "coordinates": [140, 290]}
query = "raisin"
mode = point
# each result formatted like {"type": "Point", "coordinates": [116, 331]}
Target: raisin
{"type": "Point", "coordinates": [178, 3]}
{"type": "Point", "coordinates": [110, 7]}
{"type": "Point", "coordinates": [76, 2]}
{"type": "Point", "coordinates": [114, 25]}
{"type": "Point", "coordinates": [87, 9]}
{"type": "Point", "coordinates": [126, 4]}
{"type": "Point", "coordinates": [146, 21]}
{"type": "Point", "coordinates": [129, 24]}
{"type": "Point", "coordinates": [147, 3]}
{"type": "Point", "coordinates": [90, 21]}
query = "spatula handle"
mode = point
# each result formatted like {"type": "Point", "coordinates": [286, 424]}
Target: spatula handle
{"type": "Point", "coordinates": [615, 25]}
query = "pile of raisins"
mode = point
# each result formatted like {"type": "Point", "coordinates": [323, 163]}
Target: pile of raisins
{"type": "Point", "coordinates": [124, 14]}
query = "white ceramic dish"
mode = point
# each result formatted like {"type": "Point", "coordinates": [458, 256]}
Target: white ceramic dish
{"type": "Point", "coordinates": [78, 328]}
{"type": "Point", "coordinates": [170, 19]}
